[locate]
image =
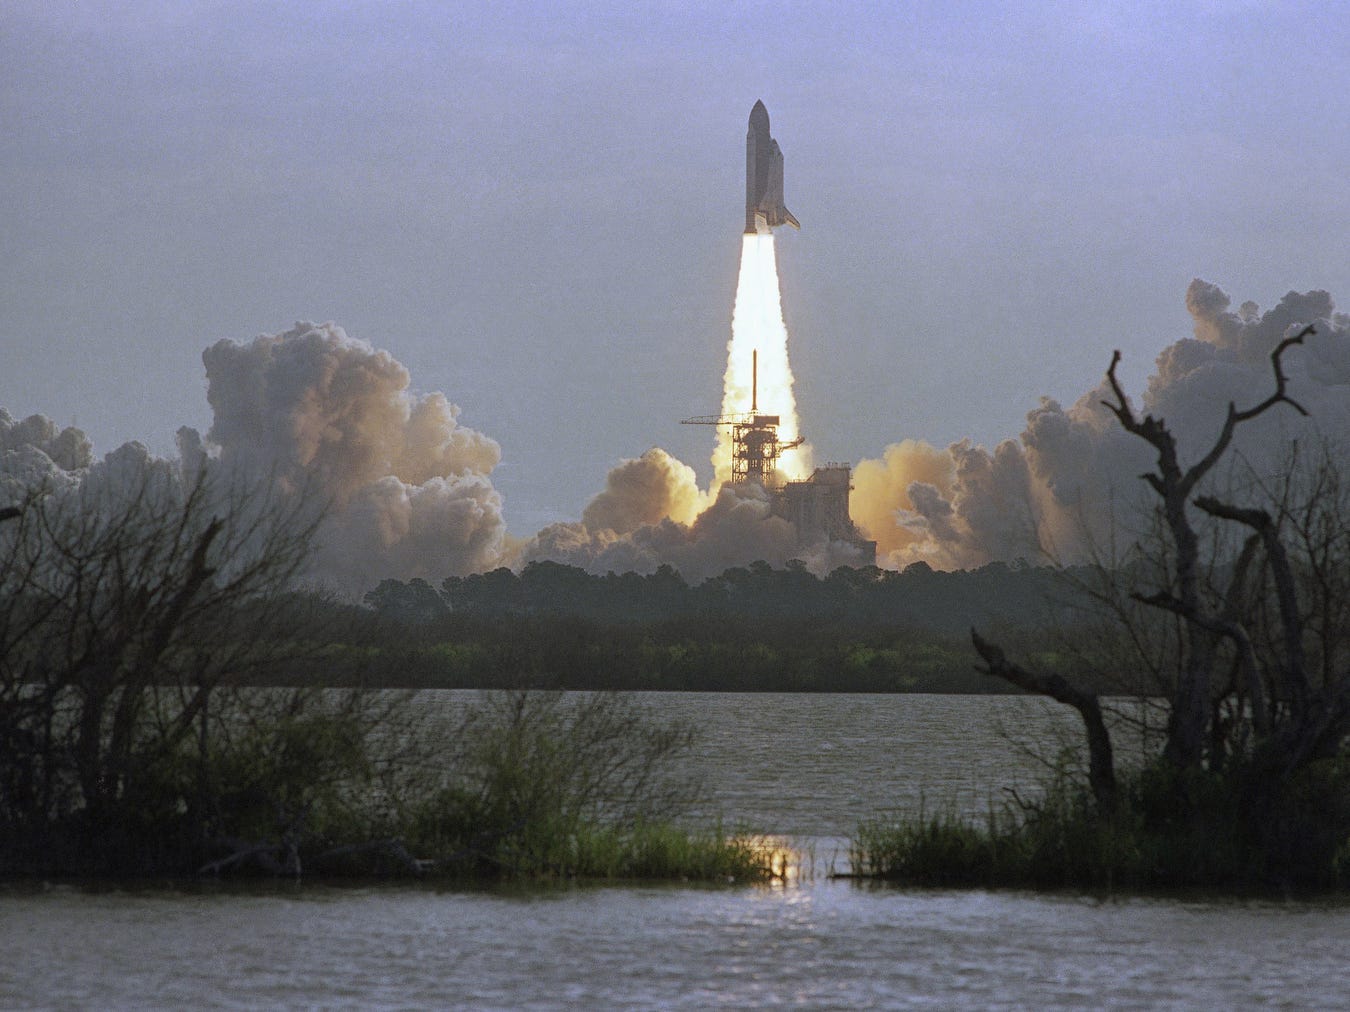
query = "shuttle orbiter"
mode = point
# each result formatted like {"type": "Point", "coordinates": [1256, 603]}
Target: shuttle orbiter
{"type": "Point", "coordinates": [764, 208]}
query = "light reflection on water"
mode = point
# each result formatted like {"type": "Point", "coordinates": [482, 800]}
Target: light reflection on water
{"type": "Point", "coordinates": [809, 766]}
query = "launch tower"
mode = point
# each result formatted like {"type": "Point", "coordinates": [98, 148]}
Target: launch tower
{"type": "Point", "coordinates": [817, 507]}
{"type": "Point", "coordinates": [755, 446]}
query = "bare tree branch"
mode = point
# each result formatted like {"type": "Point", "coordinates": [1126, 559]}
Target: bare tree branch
{"type": "Point", "coordinates": [1174, 486]}
{"type": "Point", "coordinates": [1101, 763]}
{"type": "Point", "coordinates": [1295, 664]}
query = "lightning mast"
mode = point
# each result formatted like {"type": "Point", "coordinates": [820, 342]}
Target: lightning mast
{"type": "Point", "coordinates": [755, 446]}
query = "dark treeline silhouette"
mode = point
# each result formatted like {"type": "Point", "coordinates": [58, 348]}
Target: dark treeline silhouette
{"type": "Point", "coordinates": [752, 628]}
{"type": "Point", "coordinates": [918, 597]}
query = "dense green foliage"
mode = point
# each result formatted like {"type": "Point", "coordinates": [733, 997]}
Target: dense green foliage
{"type": "Point", "coordinates": [750, 629]}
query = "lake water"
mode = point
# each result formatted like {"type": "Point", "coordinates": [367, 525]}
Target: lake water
{"type": "Point", "coordinates": [806, 766]}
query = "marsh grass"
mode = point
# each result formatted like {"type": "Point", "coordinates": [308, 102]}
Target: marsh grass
{"type": "Point", "coordinates": [465, 841]}
{"type": "Point", "coordinates": [652, 852]}
{"type": "Point", "coordinates": [1170, 831]}
{"type": "Point", "coordinates": [573, 786]}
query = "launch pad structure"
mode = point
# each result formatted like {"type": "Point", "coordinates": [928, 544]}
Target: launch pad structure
{"type": "Point", "coordinates": [817, 507]}
{"type": "Point", "coordinates": [755, 446]}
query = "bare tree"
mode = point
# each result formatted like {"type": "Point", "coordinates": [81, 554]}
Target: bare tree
{"type": "Point", "coordinates": [127, 602]}
{"type": "Point", "coordinates": [1262, 641]}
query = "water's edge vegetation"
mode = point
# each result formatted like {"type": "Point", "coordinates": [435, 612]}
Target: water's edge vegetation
{"type": "Point", "coordinates": [517, 786]}
{"type": "Point", "coordinates": [1147, 844]}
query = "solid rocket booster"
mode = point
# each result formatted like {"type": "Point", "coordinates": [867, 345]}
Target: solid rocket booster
{"type": "Point", "coordinates": [764, 208]}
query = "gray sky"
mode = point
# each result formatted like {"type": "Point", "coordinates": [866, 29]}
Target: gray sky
{"type": "Point", "coordinates": [540, 213]}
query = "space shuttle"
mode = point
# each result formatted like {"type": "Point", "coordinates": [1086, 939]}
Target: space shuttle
{"type": "Point", "coordinates": [764, 208]}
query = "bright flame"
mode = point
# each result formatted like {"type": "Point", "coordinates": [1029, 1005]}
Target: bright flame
{"type": "Point", "coordinates": [757, 326]}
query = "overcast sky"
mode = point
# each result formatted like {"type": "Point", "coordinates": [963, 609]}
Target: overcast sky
{"type": "Point", "coordinates": [539, 213]}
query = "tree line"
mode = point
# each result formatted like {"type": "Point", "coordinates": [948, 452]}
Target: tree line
{"type": "Point", "coordinates": [918, 597]}
{"type": "Point", "coordinates": [752, 628]}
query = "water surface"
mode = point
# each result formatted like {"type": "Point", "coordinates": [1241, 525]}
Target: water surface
{"type": "Point", "coordinates": [808, 766]}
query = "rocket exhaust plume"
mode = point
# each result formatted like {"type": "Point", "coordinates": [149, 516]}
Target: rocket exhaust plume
{"type": "Point", "coordinates": [758, 330]}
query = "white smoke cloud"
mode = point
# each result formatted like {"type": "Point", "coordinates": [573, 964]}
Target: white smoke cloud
{"type": "Point", "coordinates": [408, 488]}
{"type": "Point", "coordinates": [68, 449]}
{"type": "Point", "coordinates": [58, 465]}
{"type": "Point", "coordinates": [957, 508]}
{"type": "Point", "coordinates": [35, 453]}
{"type": "Point", "coordinates": [645, 491]}
{"type": "Point", "coordinates": [649, 516]}
{"type": "Point", "coordinates": [1071, 480]}
{"type": "Point", "coordinates": [1229, 360]}
{"type": "Point", "coordinates": [309, 413]}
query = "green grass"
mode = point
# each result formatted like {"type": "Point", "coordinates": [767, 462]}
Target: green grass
{"type": "Point", "coordinates": [463, 839]}
{"type": "Point", "coordinates": [664, 852]}
{"type": "Point", "coordinates": [1228, 833]}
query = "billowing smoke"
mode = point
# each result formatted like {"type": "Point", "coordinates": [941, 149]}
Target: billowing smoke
{"type": "Point", "coordinates": [1069, 483]}
{"type": "Point", "coordinates": [737, 528]}
{"type": "Point", "coordinates": [34, 452]}
{"type": "Point", "coordinates": [407, 488]}
{"type": "Point", "coordinates": [58, 467]}
{"type": "Point", "coordinates": [954, 508]}
{"type": "Point", "coordinates": [652, 513]}
{"type": "Point", "coordinates": [653, 488]}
